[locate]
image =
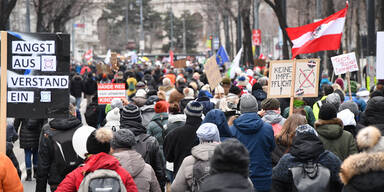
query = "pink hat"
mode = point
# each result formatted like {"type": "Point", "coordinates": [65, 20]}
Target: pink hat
{"type": "Point", "coordinates": [340, 82]}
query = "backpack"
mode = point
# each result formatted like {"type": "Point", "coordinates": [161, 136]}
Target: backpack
{"type": "Point", "coordinates": [311, 176]}
{"type": "Point", "coordinates": [91, 114]}
{"type": "Point", "coordinates": [162, 128]}
{"type": "Point", "coordinates": [200, 172]}
{"type": "Point", "coordinates": [131, 86]}
{"type": "Point", "coordinates": [103, 180]}
{"type": "Point", "coordinates": [143, 142]}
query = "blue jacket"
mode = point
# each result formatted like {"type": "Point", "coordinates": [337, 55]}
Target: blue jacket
{"type": "Point", "coordinates": [218, 118]}
{"type": "Point", "coordinates": [257, 136]}
{"type": "Point", "coordinates": [360, 102]}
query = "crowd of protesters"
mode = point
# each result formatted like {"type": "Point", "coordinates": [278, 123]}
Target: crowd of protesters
{"type": "Point", "coordinates": [173, 132]}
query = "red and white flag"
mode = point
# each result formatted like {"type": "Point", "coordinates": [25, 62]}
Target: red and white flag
{"type": "Point", "coordinates": [171, 57]}
{"type": "Point", "coordinates": [319, 36]}
{"type": "Point", "coordinates": [88, 55]}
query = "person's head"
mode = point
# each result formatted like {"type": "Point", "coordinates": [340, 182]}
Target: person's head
{"type": "Point", "coordinates": [188, 92]}
{"type": "Point", "coordinates": [226, 84]}
{"type": "Point", "coordinates": [340, 82]}
{"type": "Point", "coordinates": [161, 95]}
{"type": "Point", "coordinates": [326, 89]}
{"type": "Point", "coordinates": [327, 111]}
{"type": "Point", "coordinates": [352, 106]}
{"type": "Point", "coordinates": [289, 129]}
{"type": "Point", "coordinates": [193, 109]}
{"type": "Point", "coordinates": [341, 94]}
{"type": "Point", "coordinates": [116, 103]}
{"type": "Point", "coordinates": [217, 117]}
{"type": "Point", "coordinates": [230, 156]}
{"type": "Point", "coordinates": [219, 92]}
{"type": "Point", "coordinates": [174, 108]}
{"type": "Point", "coordinates": [270, 104]}
{"type": "Point", "coordinates": [369, 139]}
{"type": "Point", "coordinates": [248, 104]}
{"type": "Point", "coordinates": [353, 87]}
{"type": "Point", "coordinates": [235, 90]}
{"type": "Point", "coordinates": [208, 132]}
{"type": "Point", "coordinates": [166, 82]}
{"type": "Point", "coordinates": [130, 112]}
{"type": "Point", "coordinates": [380, 85]}
{"type": "Point", "coordinates": [161, 107]}
{"type": "Point", "coordinates": [99, 141]}
{"type": "Point", "coordinates": [123, 139]}
{"type": "Point", "coordinates": [334, 99]}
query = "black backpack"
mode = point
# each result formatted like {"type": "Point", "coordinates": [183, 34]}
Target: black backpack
{"type": "Point", "coordinates": [91, 114]}
{"type": "Point", "coordinates": [200, 172]}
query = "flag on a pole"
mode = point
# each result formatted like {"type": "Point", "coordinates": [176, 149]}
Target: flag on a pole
{"type": "Point", "coordinates": [171, 57]}
{"type": "Point", "coordinates": [88, 55]}
{"type": "Point", "coordinates": [108, 57]}
{"type": "Point", "coordinates": [235, 65]}
{"type": "Point", "coordinates": [221, 56]}
{"type": "Point", "coordinates": [319, 36]}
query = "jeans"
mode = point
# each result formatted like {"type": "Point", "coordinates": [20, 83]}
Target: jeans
{"type": "Point", "coordinates": [78, 101]}
{"type": "Point", "coordinates": [28, 157]}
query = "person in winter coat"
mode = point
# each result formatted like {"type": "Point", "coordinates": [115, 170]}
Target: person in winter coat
{"type": "Point", "coordinates": [331, 133]}
{"type": "Point", "coordinates": [257, 136]}
{"type": "Point", "coordinates": [11, 138]}
{"type": "Point", "coordinates": [140, 98]}
{"type": "Point", "coordinates": [90, 87]}
{"type": "Point", "coordinates": [29, 141]}
{"type": "Point", "coordinates": [258, 93]}
{"type": "Point", "coordinates": [49, 168]}
{"type": "Point", "coordinates": [141, 172]}
{"type": "Point", "coordinates": [373, 115]}
{"type": "Point", "coordinates": [352, 106]}
{"type": "Point", "coordinates": [148, 110]}
{"type": "Point", "coordinates": [364, 171]}
{"type": "Point", "coordinates": [189, 95]}
{"type": "Point", "coordinates": [98, 146]}
{"type": "Point", "coordinates": [284, 138]}
{"type": "Point", "coordinates": [177, 94]}
{"type": "Point", "coordinates": [229, 169]}
{"type": "Point", "coordinates": [204, 99]}
{"type": "Point", "coordinates": [349, 121]}
{"type": "Point", "coordinates": [167, 87]}
{"type": "Point", "coordinates": [209, 137]}
{"type": "Point", "coordinates": [10, 181]}
{"type": "Point", "coordinates": [218, 118]}
{"type": "Point", "coordinates": [131, 85]}
{"type": "Point", "coordinates": [113, 120]}
{"type": "Point", "coordinates": [157, 125]}
{"type": "Point", "coordinates": [306, 147]}
{"type": "Point", "coordinates": [271, 114]}
{"type": "Point", "coordinates": [175, 118]}
{"type": "Point", "coordinates": [299, 105]}
{"type": "Point", "coordinates": [360, 102]}
{"type": "Point", "coordinates": [76, 88]}
{"type": "Point", "coordinates": [179, 142]}
{"type": "Point", "coordinates": [147, 145]}
{"type": "Point", "coordinates": [230, 105]}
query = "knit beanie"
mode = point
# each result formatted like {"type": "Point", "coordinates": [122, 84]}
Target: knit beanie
{"type": "Point", "coordinates": [130, 113]}
{"type": "Point", "coordinates": [369, 139]}
{"type": "Point", "coordinates": [194, 109]}
{"type": "Point", "coordinates": [351, 105]}
{"type": "Point", "coordinates": [123, 138]}
{"type": "Point", "coordinates": [341, 95]}
{"type": "Point", "coordinates": [248, 104]}
{"type": "Point", "coordinates": [327, 111]}
{"type": "Point", "coordinates": [208, 132]}
{"type": "Point", "coordinates": [340, 82]}
{"type": "Point", "coordinates": [99, 141]}
{"type": "Point", "coordinates": [235, 90]}
{"type": "Point", "coordinates": [230, 156]}
{"type": "Point", "coordinates": [333, 99]}
{"type": "Point", "coordinates": [305, 129]}
{"type": "Point", "coordinates": [270, 104]}
{"type": "Point", "coordinates": [161, 107]}
{"type": "Point", "coordinates": [116, 102]}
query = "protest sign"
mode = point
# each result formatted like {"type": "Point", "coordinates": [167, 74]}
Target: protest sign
{"type": "Point", "coordinates": [280, 78]}
{"type": "Point", "coordinates": [180, 63]}
{"type": "Point", "coordinates": [307, 77]}
{"type": "Point", "coordinates": [344, 63]}
{"type": "Point", "coordinates": [212, 72]}
{"type": "Point", "coordinates": [103, 68]}
{"type": "Point", "coordinates": [107, 91]}
{"type": "Point", "coordinates": [38, 74]}
{"type": "Point", "coordinates": [380, 55]}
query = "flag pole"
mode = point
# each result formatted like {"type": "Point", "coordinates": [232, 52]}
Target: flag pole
{"type": "Point", "coordinates": [292, 87]}
{"type": "Point", "coordinates": [3, 95]}
{"type": "Point", "coordinates": [349, 85]}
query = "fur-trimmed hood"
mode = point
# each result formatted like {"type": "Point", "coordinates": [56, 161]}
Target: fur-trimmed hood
{"type": "Point", "coordinates": [361, 163]}
{"type": "Point", "coordinates": [331, 129]}
{"type": "Point", "coordinates": [370, 140]}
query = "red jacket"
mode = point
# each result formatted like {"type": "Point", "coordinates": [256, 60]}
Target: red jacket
{"type": "Point", "coordinates": [99, 161]}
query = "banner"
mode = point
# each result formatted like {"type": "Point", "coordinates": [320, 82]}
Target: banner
{"type": "Point", "coordinates": [38, 75]}
{"type": "Point", "coordinates": [180, 63]}
{"type": "Point", "coordinates": [344, 63]}
{"type": "Point", "coordinates": [213, 72]}
{"type": "Point", "coordinates": [256, 37]}
{"type": "Point", "coordinates": [108, 91]}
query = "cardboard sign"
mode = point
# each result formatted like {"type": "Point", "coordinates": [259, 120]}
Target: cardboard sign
{"type": "Point", "coordinates": [114, 61]}
{"type": "Point", "coordinates": [37, 74]}
{"type": "Point", "coordinates": [180, 63]}
{"type": "Point", "coordinates": [103, 68]}
{"type": "Point", "coordinates": [306, 78]}
{"type": "Point", "coordinates": [344, 63]}
{"type": "Point", "coordinates": [379, 56]}
{"type": "Point", "coordinates": [213, 72]}
{"type": "Point", "coordinates": [107, 91]}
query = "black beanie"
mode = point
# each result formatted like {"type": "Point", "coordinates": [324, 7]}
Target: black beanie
{"type": "Point", "coordinates": [99, 141]}
{"type": "Point", "coordinates": [270, 104]}
{"type": "Point", "coordinates": [235, 90]}
{"type": "Point", "coordinates": [130, 113]}
{"type": "Point", "coordinates": [327, 111]}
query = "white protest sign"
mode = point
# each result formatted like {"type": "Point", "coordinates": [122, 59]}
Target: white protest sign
{"type": "Point", "coordinates": [344, 63]}
{"type": "Point", "coordinates": [380, 55]}
{"type": "Point", "coordinates": [280, 79]}
{"type": "Point", "coordinates": [108, 91]}
{"type": "Point", "coordinates": [307, 77]}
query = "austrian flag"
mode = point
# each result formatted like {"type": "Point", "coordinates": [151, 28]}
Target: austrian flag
{"type": "Point", "coordinates": [319, 36]}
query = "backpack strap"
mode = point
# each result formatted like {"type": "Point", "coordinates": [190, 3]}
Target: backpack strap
{"type": "Point", "coordinates": [160, 125]}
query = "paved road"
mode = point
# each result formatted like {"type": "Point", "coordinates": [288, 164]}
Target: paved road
{"type": "Point", "coordinates": [29, 186]}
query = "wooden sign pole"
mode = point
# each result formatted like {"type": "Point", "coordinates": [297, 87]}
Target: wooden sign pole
{"type": "Point", "coordinates": [349, 85]}
{"type": "Point", "coordinates": [292, 87]}
{"type": "Point", "coordinates": [3, 92]}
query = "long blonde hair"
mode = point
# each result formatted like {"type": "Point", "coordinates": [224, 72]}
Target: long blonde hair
{"type": "Point", "coordinates": [289, 129]}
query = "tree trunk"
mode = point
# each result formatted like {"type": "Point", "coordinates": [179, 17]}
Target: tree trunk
{"type": "Point", "coordinates": [57, 25]}
{"type": "Point", "coordinates": [6, 7]}
{"type": "Point", "coordinates": [247, 41]}
{"type": "Point", "coordinates": [358, 46]}
{"type": "Point", "coordinates": [380, 15]}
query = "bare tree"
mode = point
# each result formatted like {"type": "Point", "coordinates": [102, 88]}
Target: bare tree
{"type": "Point", "coordinates": [247, 41]}
{"type": "Point", "coordinates": [6, 7]}
{"type": "Point", "coordinates": [52, 15]}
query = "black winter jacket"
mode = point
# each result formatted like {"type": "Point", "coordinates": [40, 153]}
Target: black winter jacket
{"type": "Point", "coordinates": [179, 142]}
{"type": "Point", "coordinates": [373, 114]}
{"type": "Point", "coordinates": [148, 147]}
{"type": "Point", "coordinates": [76, 86]}
{"type": "Point", "coordinates": [48, 168]}
{"type": "Point", "coordinates": [29, 132]}
{"type": "Point", "coordinates": [226, 182]}
{"type": "Point", "coordinates": [90, 86]}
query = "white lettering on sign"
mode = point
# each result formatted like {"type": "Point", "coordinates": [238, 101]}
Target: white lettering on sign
{"type": "Point", "coordinates": [48, 63]}
{"type": "Point", "coordinates": [20, 96]}
{"type": "Point", "coordinates": [26, 62]}
{"type": "Point", "coordinates": [33, 47]}
{"type": "Point", "coordinates": [106, 92]}
{"type": "Point", "coordinates": [39, 81]}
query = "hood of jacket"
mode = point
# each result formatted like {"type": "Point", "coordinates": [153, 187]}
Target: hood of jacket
{"type": "Point", "coordinates": [306, 147]}
{"type": "Point", "coordinates": [176, 118]}
{"type": "Point", "coordinates": [347, 117]}
{"type": "Point", "coordinates": [139, 101]}
{"type": "Point", "coordinates": [160, 116]}
{"type": "Point", "coordinates": [218, 118]}
{"type": "Point", "coordinates": [77, 78]}
{"type": "Point", "coordinates": [248, 123]}
{"type": "Point", "coordinates": [360, 164]}
{"type": "Point", "coordinates": [375, 110]}
{"type": "Point", "coordinates": [136, 127]}
{"type": "Point", "coordinates": [259, 94]}
{"type": "Point", "coordinates": [100, 161]}
{"type": "Point", "coordinates": [272, 117]}
{"type": "Point", "coordinates": [131, 161]}
{"type": "Point", "coordinates": [330, 129]}
{"type": "Point", "coordinates": [204, 151]}
{"type": "Point", "coordinates": [113, 115]}
{"type": "Point", "coordinates": [65, 124]}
